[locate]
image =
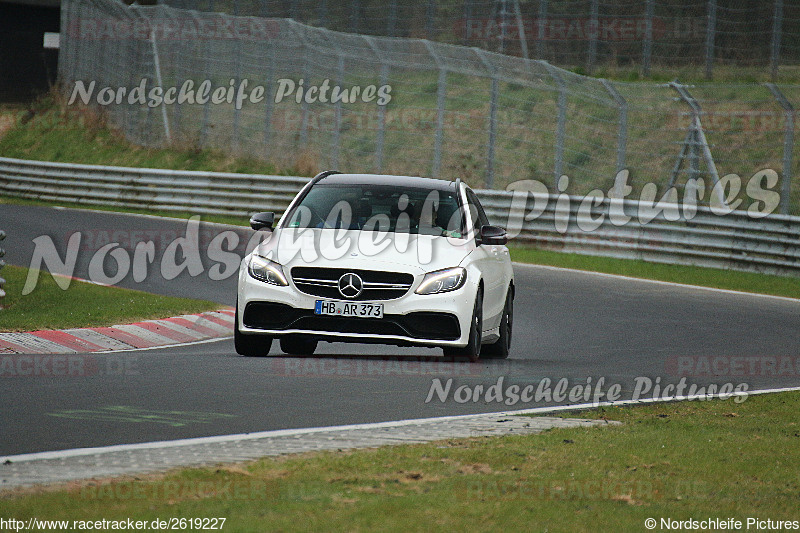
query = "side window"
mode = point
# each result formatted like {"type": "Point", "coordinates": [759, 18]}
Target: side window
{"type": "Point", "coordinates": [475, 207]}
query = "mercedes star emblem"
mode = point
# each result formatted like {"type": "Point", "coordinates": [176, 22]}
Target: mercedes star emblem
{"type": "Point", "coordinates": [350, 285]}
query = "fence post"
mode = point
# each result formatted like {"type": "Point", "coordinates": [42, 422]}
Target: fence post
{"type": "Point", "coordinates": [157, 66]}
{"type": "Point", "coordinates": [322, 13]}
{"type": "Point", "coordinates": [269, 101]}
{"type": "Point", "coordinates": [593, 30]}
{"type": "Point", "coordinates": [495, 89]}
{"type": "Point", "coordinates": [711, 30]}
{"type": "Point", "coordinates": [696, 139]}
{"type": "Point", "coordinates": [622, 130]}
{"type": "Point", "coordinates": [391, 26]}
{"type": "Point", "coordinates": [777, 26]}
{"type": "Point", "coordinates": [207, 104]}
{"type": "Point", "coordinates": [238, 78]}
{"type": "Point", "coordinates": [541, 26]}
{"type": "Point", "coordinates": [430, 16]}
{"type": "Point", "coordinates": [467, 17]}
{"type": "Point", "coordinates": [304, 106]}
{"type": "Point", "coordinates": [647, 50]}
{"type": "Point", "coordinates": [788, 145]}
{"type": "Point", "coordinates": [2, 263]}
{"type": "Point", "coordinates": [379, 141]}
{"type": "Point", "coordinates": [338, 113]}
{"type": "Point", "coordinates": [441, 94]}
{"type": "Point", "coordinates": [558, 162]}
{"type": "Point", "coordinates": [355, 8]}
{"type": "Point", "coordinates": [523, 39]}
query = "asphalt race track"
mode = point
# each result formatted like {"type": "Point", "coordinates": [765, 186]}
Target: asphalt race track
{"type": "Point", "coordinates": [567, 325]}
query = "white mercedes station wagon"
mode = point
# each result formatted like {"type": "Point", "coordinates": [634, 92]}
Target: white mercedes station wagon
{"type": "Point", "coordinates": [398, 260]}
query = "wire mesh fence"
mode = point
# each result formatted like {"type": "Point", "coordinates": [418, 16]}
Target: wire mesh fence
{"type": "Point", "coordinates": [589, 34]}
{"type": "Point", "coordinates": [415, 106]}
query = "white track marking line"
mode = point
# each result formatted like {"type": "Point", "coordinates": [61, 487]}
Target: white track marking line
{"type": "Point", "coordinates": [167, 346]}
{"type": "Point", "coordinates": [78, 452]}
{"type": "Point", "coordinates": [659, 282]}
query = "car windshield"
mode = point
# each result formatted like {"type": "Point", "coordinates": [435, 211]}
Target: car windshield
{"type": "Point", "coordinates": [383, 208]}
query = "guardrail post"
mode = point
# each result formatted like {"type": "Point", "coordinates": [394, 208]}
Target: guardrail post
{"type": "Point", "coordinates": [441, 94]}
{"type": "Point", "coordinates": [711, 31]}
{"type": "Point", "coordinates": [493, 98]}
{"type": "Point", "coordinates": [788, 145]}
{"type": "Point", "coordinates": [622, 129]}
{"type": "Point", "coordinates": [593, 30]}
{"type": "Point", "coordinates": [777, 26]}
{"type": "Point", "coordinates": [647, 50]}
{"type": "Point", "coordinates": [2, 264]}
{"type": "Point", "coordinates": [558, 162]}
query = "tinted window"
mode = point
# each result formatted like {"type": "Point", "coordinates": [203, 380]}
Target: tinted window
{"type": "Point", "coordinates": [378, 207]}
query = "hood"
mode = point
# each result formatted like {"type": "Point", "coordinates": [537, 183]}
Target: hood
{"type": "Point", "coordinates": [364, 250]}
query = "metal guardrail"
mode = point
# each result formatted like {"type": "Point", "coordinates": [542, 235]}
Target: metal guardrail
{"type": "Point", "coordinates": [733, 241]}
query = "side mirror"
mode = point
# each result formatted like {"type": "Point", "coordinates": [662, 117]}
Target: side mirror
{"type": "Point", "coordinates": [262, 221]}
{"type": "Point", "coordinates": [493, 235]}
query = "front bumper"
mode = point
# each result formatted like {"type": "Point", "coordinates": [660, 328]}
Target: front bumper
{"type": "Point", "coordinates": [411, 320]}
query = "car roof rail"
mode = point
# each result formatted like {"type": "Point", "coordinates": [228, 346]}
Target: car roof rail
{"type": "Point", "coordinates": [324, 174]}
{"type": "Point", "coordinates": [458, 184]}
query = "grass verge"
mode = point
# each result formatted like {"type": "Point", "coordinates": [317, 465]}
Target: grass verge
{"type": "Point", "coordinates": [50, 307]}
{"type": "Point", "coordinates": [676, 460]}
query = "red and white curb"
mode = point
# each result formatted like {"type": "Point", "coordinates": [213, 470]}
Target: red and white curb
{"type": "Point", "coordinates": [147, 334]}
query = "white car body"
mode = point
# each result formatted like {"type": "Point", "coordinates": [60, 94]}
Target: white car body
{"type": "Point", "coordinates": [263, 306]}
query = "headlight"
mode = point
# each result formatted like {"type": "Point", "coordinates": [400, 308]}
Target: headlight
{"type": "Point", "coordinates": [266, 270]}
{"type": "Point", "coordinates": [445, 280]}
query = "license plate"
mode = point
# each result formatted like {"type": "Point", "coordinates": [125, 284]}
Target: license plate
{"type": "Point", "coordinates": [348, 309]}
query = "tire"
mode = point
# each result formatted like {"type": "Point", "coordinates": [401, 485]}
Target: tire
{"type": "Point", "coordinates": [250, 345]}
{"type": "Point", "coordinates": [501, 348]}
{"type": "Point", "coordinates": [293, 345]}
{"type": "Point", "coordinates": [472, 350]}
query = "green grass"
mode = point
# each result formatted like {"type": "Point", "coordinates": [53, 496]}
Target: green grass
{"type": "Point", "coordinates": [47, 131]}
{"type": "Point", "coordinates": [690, 275]}
{"type": "Point", "coordinates": [677, 460]}
{"type": "Point", "coordinates": [50, 307]}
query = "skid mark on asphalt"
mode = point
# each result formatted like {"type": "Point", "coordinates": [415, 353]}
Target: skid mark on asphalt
{"type": "Point", "coordinates": [136, 415]}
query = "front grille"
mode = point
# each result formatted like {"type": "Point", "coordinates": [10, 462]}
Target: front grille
{"type": "Point", "coordinates": [378, 285]}
{"type": "Point", "coordinates": [417, 325]}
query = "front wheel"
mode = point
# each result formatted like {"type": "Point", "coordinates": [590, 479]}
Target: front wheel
{"type": "Point", "coordinates": [501, 348]}
{"type": "Point", "coordinates": [250, 345]}
{"type": "Point", "coordinates": [472, 350]}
